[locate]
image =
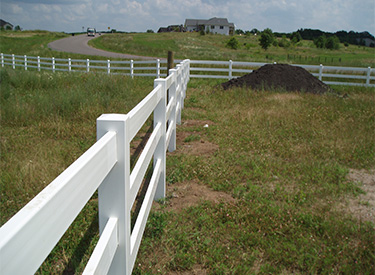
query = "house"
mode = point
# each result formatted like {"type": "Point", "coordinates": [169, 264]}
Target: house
{"type": "Point", "coordinates": [172, 28]}
{"type": "Point", "coordinates": [5, 25]}
{"type": "Point", "coordinates": [368, 42]}
{"type": "Point", "coordinates": [214, 25]}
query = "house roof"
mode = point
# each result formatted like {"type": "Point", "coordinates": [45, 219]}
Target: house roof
{"type": "Point", "coordinates": [3, 23]}
{"type": "Point", "coordinates": [213, 21]}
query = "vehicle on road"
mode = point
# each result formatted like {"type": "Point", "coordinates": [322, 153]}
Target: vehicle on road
{"type": "Point", "coordinates": [91, 31]}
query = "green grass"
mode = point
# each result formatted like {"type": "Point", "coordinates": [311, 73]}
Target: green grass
{"type": "Point", "coordinates": [213, 47]}
{"type": "Point", "coordinates": [189, 45]}
{"type": "Point", "coordinates": [284, 157]}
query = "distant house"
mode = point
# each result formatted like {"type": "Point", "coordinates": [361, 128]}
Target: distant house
{"type": "Point", "coordinates": [214, 25]}
{"type": "Point", "coordinates": [172, 28]}
{"type": "Point", "coordinates": [5, 25]}
{"type": "Point", "coordinates": [368, 42]}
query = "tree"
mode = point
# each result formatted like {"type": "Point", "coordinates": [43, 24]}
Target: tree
{"type": "Point", "coordinates": [284, 42]}
{"type": "Point", "coordinates": [239, 31]}
{"type": "Point", "coordinates": [266, 39]}
{"type": "Point", "coordinates": [333, 43]}
{"type": "Point", "coordinates": [233, 43]}
{"type": "Point", "coordinates": [150, 31]}
{"type": "Point", "coordinates": [254, 31]}
{"type": "Point", "coordinates": [320, 42]}
{"type": "Point", "coordinates": [295, 37]}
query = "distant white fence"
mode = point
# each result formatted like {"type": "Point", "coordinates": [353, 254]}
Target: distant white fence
{"type": "Point", "coordinates": [30, 235]}
{"type": "Point", "coordinates": [232, 69]}
{"type": "Point", "coordinates": [200, 68]}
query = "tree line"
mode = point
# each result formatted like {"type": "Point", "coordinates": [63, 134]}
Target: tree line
{"type": "Point", "coordinates": [319, 37]}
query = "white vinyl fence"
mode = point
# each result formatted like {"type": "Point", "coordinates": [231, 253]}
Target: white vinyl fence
{"type": "Point", "coordinates": [328, 74]}
{"type": "Point", "coordinates": [30, 235]}
{"type": "Point", "coordinates": [199, 68]}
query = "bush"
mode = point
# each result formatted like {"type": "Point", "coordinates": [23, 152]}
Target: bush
{"type": "Point", "coordinates": [333, 43]}
{"type": "Point", "coordinates": [284, 43]}
{"type": "Point", "coordinates": [233, 43]}
{"type": "Point", "coordinates": [320, 42]}
{"type": "Point", "coordinates": [295, 37]}
{"type": "Point", "coordinates": [266, 39]}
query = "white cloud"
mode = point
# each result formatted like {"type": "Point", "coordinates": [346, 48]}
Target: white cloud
{"type": "Point", "coordinates": [140, 15]}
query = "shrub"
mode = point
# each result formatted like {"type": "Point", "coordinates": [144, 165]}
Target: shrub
{"type": "Point", "coordinates": [320, 42]}
{"type": "Point", "coordinates": [284, 43]}
{"type": "Point", "coordinates": [266, 39]}
{"type": "Point", "coordinates": [333, 43]}
{"type": "Point", "coordinates": [233, 43]}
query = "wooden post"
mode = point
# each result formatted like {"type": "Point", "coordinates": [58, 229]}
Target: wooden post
{"type": "Point", "coordinates": [170, 64]}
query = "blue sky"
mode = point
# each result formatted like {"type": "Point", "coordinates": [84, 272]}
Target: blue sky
{"type": "Point", "coordinates": [132, 15]}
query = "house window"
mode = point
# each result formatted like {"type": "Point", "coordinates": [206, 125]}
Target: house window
{"type": "Point", "coordinates": [212, 27]}
{"type": "Point", "coordinates": [221, 27]}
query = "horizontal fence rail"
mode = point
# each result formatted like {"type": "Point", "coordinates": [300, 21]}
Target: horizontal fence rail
{"type": "Point", "coordinates": [199, 68]}
{"type": "Point", "coordinates": [328, 74]}
{"type": "Point", "coordinates": [30, 235]}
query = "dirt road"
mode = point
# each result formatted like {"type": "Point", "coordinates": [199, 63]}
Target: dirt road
{"type": "Point", "coordinates": [78, 44]}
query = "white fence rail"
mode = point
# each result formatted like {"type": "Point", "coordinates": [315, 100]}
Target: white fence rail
{"type": "Point", "coordinates": [200, 68]}
{"type": "Point", "coordinates": [29, 236]}
{"type": "Point", "coordinates": [232, 69]}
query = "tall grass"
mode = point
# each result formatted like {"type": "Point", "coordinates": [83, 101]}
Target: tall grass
{"type": "Point", "coordinates": [284, 157]}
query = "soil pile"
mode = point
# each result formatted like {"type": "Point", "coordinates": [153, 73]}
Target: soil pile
{"type": "Point", "coordinates": [280, 76]}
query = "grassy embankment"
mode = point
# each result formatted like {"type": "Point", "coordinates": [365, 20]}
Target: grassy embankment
{"type": "Point", "coordinates": [282, 159]}
{"type": "Point", "coordinates": [213, 47]}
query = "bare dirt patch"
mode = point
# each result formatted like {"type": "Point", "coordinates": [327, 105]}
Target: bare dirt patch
{"type": "Point", "coordinates": [196, 270]}
{"type": "Point", "coordinates": [191, 141]}
{"type": "Point", "coordinates": [363, 206]}
{"type": "Point", "coordinates": [186, 194]}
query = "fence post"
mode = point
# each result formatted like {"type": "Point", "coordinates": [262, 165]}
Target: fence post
{"type": "Point", "coordinates": [132, 68]}
{"type": "Point", "coordinates": [38, 63]}
{"type": "Point", "coordinates": [87, 65]}
{"type": "Point", "coordinates": [13, 62]}
{"type": "Point", "coordinates": [69, 64]}
{"type": "Point", "coordinates": [25, 56]}
{"type": "Point", "coordinates": [321, 72]}
{"type": "Point", "coordinates": [172, 120]}
{"type": "Point", "coordinates": [368, 76]}
{"type": "Point", "coordinates": [160, 152]}
{"type": "Point", "coordinates": [230, 69]}
{"type": "Point", "coordinates": [158, 68]}
{"type": "Point", "coordinates": [53, 64]}
{"type": "Point", "coordinates": [108, 66]}
{"type": "Point", "coordinates": [112, 192]}
{"type": "Point", "coordinates": [2, 60]}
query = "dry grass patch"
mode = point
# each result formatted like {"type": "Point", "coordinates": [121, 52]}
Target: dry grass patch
{"type": "Point", "coordinates": [363, 206]}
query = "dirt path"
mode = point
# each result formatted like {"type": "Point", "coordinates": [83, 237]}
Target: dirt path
{"type": "Point", "coordinates": [78, 44]}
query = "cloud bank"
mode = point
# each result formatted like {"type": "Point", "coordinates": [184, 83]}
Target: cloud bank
{"type": "Point", "coordinates": [138, 16]}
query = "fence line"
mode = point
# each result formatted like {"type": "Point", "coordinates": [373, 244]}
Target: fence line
{"type": "Point", "coordinates": [30, 235]}
{"type": "Point", "coordinates": [215, 69]}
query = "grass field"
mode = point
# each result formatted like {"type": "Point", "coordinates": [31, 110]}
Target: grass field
{"type": "Point", "coordinates": [277, 182]}
{"type": "Point", "coordinates": [192, 46]}
{"type": "Point", "coordinates": [213, 47]}
{"type": "Point", "coordinates": [265, 188]}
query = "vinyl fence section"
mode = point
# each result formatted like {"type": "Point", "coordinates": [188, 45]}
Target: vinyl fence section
{"type": "Point", "coordinates": [199, 68]}
{"type": "Point", "coordinates": [328, 74]}
{"type": "Point", "coordinates": [155, 68]}
{"type": "Point", "coordinates": [30, 235]}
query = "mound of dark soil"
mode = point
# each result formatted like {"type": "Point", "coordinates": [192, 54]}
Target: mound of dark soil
{"type": "Point", "coordinates": [280, 76]}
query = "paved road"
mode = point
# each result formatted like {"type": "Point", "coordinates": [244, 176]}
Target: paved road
{"type": "Point", "coordinates": [78, 44]}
